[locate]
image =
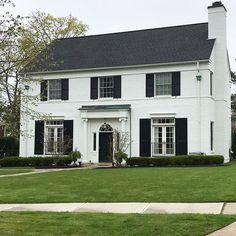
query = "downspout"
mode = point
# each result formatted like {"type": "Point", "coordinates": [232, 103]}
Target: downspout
{"type": "Point", "coordinates": [199, 78]}
{"type": "Point", "coordinates": [130, 138]}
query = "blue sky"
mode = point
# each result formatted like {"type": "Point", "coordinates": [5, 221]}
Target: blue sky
{"type": "Point", "coordinates": [105, 16]}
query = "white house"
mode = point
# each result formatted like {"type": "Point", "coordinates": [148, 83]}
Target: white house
{"type": "Point", "coordinates": [169, 88]}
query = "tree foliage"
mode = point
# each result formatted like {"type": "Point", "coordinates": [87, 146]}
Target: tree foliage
{"type": "Point", "coordinates": [22, 39]}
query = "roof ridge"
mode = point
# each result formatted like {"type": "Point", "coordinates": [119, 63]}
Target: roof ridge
{"type": "Point", "coordinates": [130, 31]}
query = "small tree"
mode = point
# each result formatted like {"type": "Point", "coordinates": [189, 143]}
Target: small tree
{"type": "Point", "coordinates": [121, 142]}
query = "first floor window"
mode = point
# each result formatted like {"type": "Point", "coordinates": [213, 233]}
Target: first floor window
{"type": "Point", "coordinates": [106, 85]}
{"type": "Point", "coordinates": [54, 89]}
{"type": "Point", "coordinates": [163, 84]}
{"type": "Point", "coordinates": [54, 137]}
{"type": "Point", "coordinates": [163, 137]}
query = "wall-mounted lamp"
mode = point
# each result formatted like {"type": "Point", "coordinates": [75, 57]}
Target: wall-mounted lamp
{"type": "Point", "coordinates": [27, 87]}
{"type": "Point", "coordinates": [198, 77]}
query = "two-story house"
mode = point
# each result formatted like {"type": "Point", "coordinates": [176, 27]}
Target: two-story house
{"type": "Point", "coordinates": [168, 88]}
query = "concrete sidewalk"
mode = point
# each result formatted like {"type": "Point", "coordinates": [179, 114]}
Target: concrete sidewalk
{"type": "Point", "coordinates": [125, 208]}
{"type": "Point", "coordinates": [140, 208]}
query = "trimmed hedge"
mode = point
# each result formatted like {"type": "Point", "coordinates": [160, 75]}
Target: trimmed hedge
{"type": "Point", "coordinates": [36, 161]}
{"type": "Point", "coordinates": [175, 161]}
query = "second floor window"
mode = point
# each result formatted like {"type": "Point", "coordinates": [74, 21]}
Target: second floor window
{"type": "Point", "coordinates": [54, 89]}
{"type": "Point", "coordinates": [106, 86]}
{"type": "Point", "coordinates": [163, 84]}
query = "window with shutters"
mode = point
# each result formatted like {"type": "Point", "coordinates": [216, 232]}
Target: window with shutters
{"type": "Point", "coordinates": [163, 84]}
{"type": "Point", "coordinates": [54, 89]}
{"type": "Point", "coordinates": [106, 87]}
{"type": "Point", "coordinates": [54, 137]}
{"type": "Point", "coordinates": [163, 137]}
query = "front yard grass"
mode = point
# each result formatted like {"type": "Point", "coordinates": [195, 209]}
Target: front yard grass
{"type": "Point", "coordinates": [49, 224]}
{"type": "Point", "coordinates": [18, 170]}
{"type": "Point", "coordinates": [191, 184]}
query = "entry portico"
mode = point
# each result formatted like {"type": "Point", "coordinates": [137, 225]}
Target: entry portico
{"type": "Point", "coordinates": [98, 122]}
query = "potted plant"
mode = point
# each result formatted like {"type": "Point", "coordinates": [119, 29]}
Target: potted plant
{"type": "Point", "coordinates": [75, 155]}
{"type": "Point", "coordinates": [119, 157]}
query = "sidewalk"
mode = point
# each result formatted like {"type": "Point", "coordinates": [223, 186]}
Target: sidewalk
{"type": "Point", "coordinates": [125, 208]}
{"type": "Point", "coordinates": [132, 208]}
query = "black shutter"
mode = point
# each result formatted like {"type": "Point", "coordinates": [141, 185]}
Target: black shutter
{"type": "Point", "coordinates": [117, 86]}
{"type": "Point", "coordinates": [44, 90]}
{"type": "Point", "coordinates": [64, 89]}
{"type": "Point", "coordinates": [39, 137]}
{"type": "Point", "coordinates": [145, 137]}
{"type": "Point", "coordinates": [176, 84]}
{"type": "Point", "coordinates": [68, 136]}
{"type": "Point", "coordinates": [149, 85]}
{"type": "Point", "coordinates": [181, 136]}
{"type": "Point", "coordinates": [94, 88]}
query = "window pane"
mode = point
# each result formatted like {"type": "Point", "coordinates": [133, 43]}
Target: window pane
{"type": "Point", "coordinates": [163, 84]}
{"type": "Point", "coordinates": [54, 137]}
{"type": "Point", "coordinates": [106, 87]}
{"type": "Point", "coordinates": [54, 89]}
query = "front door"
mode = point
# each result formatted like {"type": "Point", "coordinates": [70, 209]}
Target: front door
{"type": "Point", "coordinates": [105, 147]}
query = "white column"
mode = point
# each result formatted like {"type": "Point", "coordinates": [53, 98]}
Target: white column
{"type": "Point", "coordinates": [123, 124]}
{"type": "Point", "coordinates": [85, 153]}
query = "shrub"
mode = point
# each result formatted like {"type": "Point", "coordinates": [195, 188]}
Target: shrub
{"type": "Point", "coordinates": [120, 156]}
{"type": "Point", "coordinates": [65, 161]}
{"type": "Point", "coordinates": [176, 161]}
{"type": "Point", "coordinates": [75, 155]}
{"type": "Point", "coordinates": [14, 162]}
{"type": "Point", "coordinates": [9, 146]}
{"type": "Point", "coordinates": [36, 161]}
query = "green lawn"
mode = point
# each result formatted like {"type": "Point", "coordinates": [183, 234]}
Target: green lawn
{"type": "Point", "coordinates": [199, 184]}
{"type": "Point", "coordinates": [9, 171]}
{"type": "Point", "coordinates": [48, 224]}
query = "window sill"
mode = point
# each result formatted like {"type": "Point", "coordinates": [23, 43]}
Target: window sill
{"type": "Point", "coordinates": [106, 99]}
{"type": "Point", "coordinates": [54, 101]}
{"type": "Point", "coordinates": [163, 96]}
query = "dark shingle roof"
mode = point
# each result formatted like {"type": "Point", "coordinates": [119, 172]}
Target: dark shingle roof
{"type": "Point", "coordinates": [142, 47]}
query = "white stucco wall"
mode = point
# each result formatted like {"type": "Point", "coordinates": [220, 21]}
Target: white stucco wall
{"type": "Point", "coordinates": [195, 103]}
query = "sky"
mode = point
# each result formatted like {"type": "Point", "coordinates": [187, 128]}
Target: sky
{"type": "Point", "coordinates": [107, 16]}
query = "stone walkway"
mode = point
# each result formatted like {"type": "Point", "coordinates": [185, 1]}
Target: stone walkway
{"type": "Point", "coordinates": [39, 171]}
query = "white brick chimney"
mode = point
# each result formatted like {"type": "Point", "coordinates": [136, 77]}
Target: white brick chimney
{"type": "Point", "coordinates": [217, 30]}
{"type": "Point", "coordinates": [217, 21]}
{"type": "Point", "coordinates": [221, 77]}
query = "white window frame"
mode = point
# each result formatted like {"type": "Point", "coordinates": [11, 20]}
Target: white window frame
{"type": "Point", "coordinates": [164, 124]}
{"type": "Point", "coordinates": [55, 127]}
{"type": "Point", "coordinates": [49, 92]}
{"type": "Point", "coordinates": [99, 87]}
{"type": "Point", "coordinates": [155, 84]}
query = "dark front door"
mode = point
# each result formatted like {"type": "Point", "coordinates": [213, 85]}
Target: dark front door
{"type": "Point", "coordinates": [105, 147]}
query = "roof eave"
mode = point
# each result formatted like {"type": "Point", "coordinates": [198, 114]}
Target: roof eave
{"type": "Point", "coordinates": [111, 68]}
